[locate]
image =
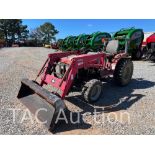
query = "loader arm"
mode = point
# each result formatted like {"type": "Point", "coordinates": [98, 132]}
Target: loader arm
{"type": "Point", "coordinates": [42, 103]}
{"type": "Point", "coordinates": [62, 86]}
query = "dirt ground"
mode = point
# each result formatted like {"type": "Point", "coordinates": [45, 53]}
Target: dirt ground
{"type": "Point", "coordinates": [121, 110]}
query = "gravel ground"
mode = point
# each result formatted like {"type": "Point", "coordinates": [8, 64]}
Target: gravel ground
{"type": "Point", "coordinates": [121, 110]}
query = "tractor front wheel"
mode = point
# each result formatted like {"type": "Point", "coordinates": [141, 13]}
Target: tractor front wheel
{"type": "Point", "coordinates": [92, 90]}
{"type": "Point", "coordinates": [123, 72]}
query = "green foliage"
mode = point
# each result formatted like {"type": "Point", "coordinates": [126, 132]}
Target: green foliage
{"type": "Point", "coordinates": [45, 33]}
{"type": "Point", "coordinates": [12, 30]}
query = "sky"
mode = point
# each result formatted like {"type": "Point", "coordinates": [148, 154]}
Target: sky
{"type": "Point", "coordinates": [68, 27]}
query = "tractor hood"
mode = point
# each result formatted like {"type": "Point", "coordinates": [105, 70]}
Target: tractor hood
{"type": "Point", "coordinates": [68, 59]}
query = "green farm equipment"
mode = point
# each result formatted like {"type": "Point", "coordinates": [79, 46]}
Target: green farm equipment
{"type": "Point", "coordinates": [134, 38]}
{"type": "Point", "coordinates": [68, 43]}
{"type": "Point", "coordinates": [95, 41]}
{"type": "Point", "coordinates": [63, 43]}
{"type": "Point", "coordinates": [85, 43]}
{"type": "Point", "coordinates": [72, 43]}
{"type": "Point", "coordinates": [81, 41]}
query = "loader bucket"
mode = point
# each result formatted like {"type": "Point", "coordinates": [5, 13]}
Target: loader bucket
{"type": "Point", "coordinates": [42, 103]}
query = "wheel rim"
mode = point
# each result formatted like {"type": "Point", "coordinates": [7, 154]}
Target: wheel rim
{"type": "Point", "coordinates": [95, 92]}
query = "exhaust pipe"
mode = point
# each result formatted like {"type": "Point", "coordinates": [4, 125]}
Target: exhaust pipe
{"type": "Point", "coordinates": [42, 103]}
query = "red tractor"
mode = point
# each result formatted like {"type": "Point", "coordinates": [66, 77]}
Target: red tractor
{"type": "Point", "coordinates": [148, 46]}
{"type": "Point", "coordinates": [64, 71]}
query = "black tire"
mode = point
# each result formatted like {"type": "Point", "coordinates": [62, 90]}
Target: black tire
{"type": "Point", "coordinates": [152, 57]}
{"type": "Point", "coordinates": [137, 55]}
{"type": "Point", "coordinates": [145, 51]}
{"type": "Point", "coordinates": [123, 72]}
{"type": "Point", "coordinates": [92, 90]}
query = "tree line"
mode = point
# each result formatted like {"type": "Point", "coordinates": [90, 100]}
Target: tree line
{"type": "Point", "coordinates": [13, 31]}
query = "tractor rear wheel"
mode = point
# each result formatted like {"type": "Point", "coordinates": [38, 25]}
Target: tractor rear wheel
{"type": "Point", "coordinates": [123, 72]}
{"type": "Point", "coordinates": [92, 90]}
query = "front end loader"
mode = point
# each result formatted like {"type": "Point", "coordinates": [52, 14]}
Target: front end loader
{"type": "Point", "coordinates": [66, 71]}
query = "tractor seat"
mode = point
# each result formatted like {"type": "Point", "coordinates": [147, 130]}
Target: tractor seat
{"type": "Point", "coordinates": [112, 47]}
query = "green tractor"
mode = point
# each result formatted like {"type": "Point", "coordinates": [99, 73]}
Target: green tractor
{"type": "Point", "coordinates": [134, 38]}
